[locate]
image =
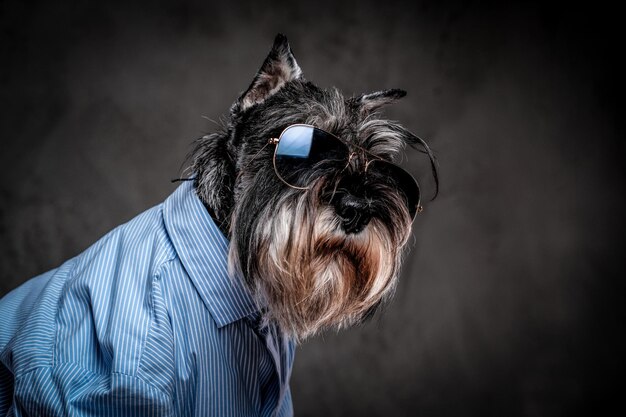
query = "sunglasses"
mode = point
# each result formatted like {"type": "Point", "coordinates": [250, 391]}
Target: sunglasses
{"type": "Point", "coordinates": [302, 150]}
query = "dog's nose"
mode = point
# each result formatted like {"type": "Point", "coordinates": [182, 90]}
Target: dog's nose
{"type": "Point", "coordinates": [353, 211]}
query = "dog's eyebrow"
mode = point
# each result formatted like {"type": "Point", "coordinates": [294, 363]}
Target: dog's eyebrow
{"type": "Point", "coordinates": [376, 134]}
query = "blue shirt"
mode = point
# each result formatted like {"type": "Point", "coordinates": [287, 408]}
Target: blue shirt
{"type": "Point", "coordinates": [146, 322]}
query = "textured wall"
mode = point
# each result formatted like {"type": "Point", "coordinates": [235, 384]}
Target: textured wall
{"type": "Point", "coordinates": [508, 303]}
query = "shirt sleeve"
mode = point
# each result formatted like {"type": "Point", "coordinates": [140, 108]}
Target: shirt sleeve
{"type": "Point", "coordinates": [69, 348]}
{"type": "Point", "coordinates": [67, 387]}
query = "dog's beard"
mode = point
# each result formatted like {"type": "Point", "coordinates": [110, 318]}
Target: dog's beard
{"type": "Point", "coordinates": [307, 274]}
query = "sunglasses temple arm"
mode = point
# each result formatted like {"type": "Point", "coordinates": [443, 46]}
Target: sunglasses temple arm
{"type": "Point", "coordinates": [254, 157]}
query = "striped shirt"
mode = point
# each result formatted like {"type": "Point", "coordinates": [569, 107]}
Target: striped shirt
{"type": "Point", "coordinates": [145, 322]}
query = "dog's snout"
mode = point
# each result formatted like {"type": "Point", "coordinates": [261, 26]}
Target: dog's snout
{"type": "Point", "coordinates": [353, 211]}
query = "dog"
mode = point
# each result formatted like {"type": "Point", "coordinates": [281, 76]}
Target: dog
{"type": "Point", "coordinates": [292, 222]}
{"type": "Point", "coordinates": [292, 245]}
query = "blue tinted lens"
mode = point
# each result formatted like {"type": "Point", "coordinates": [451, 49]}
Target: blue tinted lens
{"type": "Point", "coordinates": [295, 142]}
{"type": "Point", "coordinates": [305, 152]}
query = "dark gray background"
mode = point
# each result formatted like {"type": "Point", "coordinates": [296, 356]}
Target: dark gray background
{"type": "Point", "coordinates": [509, 302]}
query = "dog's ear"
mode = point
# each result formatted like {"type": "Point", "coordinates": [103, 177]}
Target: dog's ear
{"type": "Point", "coordinates": [372, 101]}
{"type": "Point", "coordinates": [279, 67]}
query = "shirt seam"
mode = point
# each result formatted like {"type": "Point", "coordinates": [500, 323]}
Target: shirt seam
{"type": "Point", "coordinates": [170, 255]}
{"type": "Point", "coordinates": [154, 276]}
{"type": "Point", "coordinates": [57, 306]}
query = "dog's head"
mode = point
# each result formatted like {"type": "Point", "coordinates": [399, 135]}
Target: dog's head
{"type": "Point", "coordinates": [319, 245]}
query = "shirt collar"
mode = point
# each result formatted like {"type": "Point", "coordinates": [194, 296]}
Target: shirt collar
{"type": "Point", "coordinates": [203, 251]}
